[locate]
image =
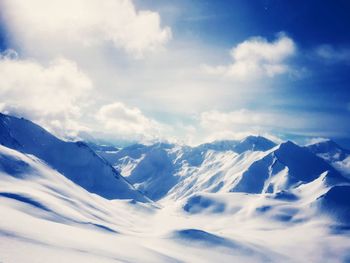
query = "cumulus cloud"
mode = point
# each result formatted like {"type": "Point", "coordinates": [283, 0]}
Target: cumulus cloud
{"type": "Point", "coordinates": [128, 122]}
{"type": "Point", "coordinates": [36, 23]}
{"type": "Point", "coordinates": [257, 57]}
{"type": "Point", "coordinates": [52, 94]}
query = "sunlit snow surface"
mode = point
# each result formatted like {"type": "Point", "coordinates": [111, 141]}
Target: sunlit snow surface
{"type": "Point", "coordinates": [298, 210]}
{"type": "Point", "coordinates": [47, 218]}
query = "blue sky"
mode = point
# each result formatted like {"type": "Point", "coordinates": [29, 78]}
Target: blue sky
{"type": "Point", "coordinates": [189, 71]}
{"type": "Point", "coordinates": [309, 23]}
{"type": "Point", "coordinates": [228, 22]}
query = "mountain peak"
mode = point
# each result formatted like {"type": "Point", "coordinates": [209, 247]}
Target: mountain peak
{"type": "Point", "coordinates": [288, 145]}
{"type": "Point", "coordinates": [302, 163]}
{"type": "Point", "coordinates": [329, 150]}
{"type": "Point", "coordinates": [325, 146]}
{"type": "Point", "coordinates": [254, 143]}
{"type": "Point", "coordinates": [284, 168]}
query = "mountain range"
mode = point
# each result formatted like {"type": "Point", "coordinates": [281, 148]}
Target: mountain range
{"type": "Point", "coordinates": [252, 200]}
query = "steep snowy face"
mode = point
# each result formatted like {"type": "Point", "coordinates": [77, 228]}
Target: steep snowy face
{"type": "Point", "coordinates": [284, 168]}
{"type": "Point", "coordinates": [154, 174]}
{"type": "Point", "coordinates": [336, 203]}
{"type": "Point", "coordinates": [174, 171]}
{"type": "Point", "coordinates": [217, 173]}
{"type": "Point", "coordinates": [75, 160]}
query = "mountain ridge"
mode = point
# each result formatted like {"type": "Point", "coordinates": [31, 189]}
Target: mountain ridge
{"type": "Point", "coordinates": [76, 160]}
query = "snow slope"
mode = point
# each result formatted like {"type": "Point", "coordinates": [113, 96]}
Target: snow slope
{"type": "Point", "coordinates": [75, 160]}
{"type": "Point", "coordinates": [47, 218]}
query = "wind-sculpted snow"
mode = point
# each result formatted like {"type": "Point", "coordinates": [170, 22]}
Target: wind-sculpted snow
{"type": "Point", "coordinates": [75, 160]}
{"type": "Point", "coordinates": [199, 203]}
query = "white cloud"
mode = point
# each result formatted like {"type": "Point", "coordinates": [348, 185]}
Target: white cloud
{"type": "Point", "coordinates": [169, 84]}
{"type": "Point", "coordinates": [244, 120]}
{"type": "Point", "coordinates": [343, 165]}
{"type": "Point", "coordinates": [37, 23]}
{"type": "Point", "coordinates": [59, 96]}
{"type": "Point", "coordinates": [315, 140]}
{"type": "Point", "coordinates": [125, 122]}
{"type": "Point", "coordinates": [331, 54]}
{"type": "Point", "coordinates": [257, 57]}
{"type": "Point", "coordinates": [239, 123]}
{"type": "Point", "coordinates": [9, 54]}
{"type": "Point", "coordinates": [52, 94]}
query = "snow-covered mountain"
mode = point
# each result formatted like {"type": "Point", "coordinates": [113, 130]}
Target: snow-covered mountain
{"type": "Point", "coordinates": [254, 143]}
{"type": "Point", "coordinates": [157, 169]}
{"type": "Point", "coordinates": [226, 201]}
{"type": "Point", "coordinates": [75, 160]}
{"type": "Point", "coordinates": [286, 167]}
{"type": "Point", "coordinates": [253, 165]}
{"type": "Point", "coordinates": [334, 154]}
